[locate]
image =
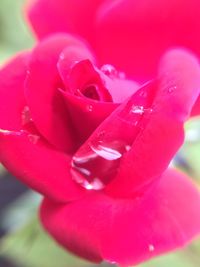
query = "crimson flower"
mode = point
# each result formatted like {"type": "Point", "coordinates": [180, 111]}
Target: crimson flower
{"type": "Point", "coordinates": [97, 145]}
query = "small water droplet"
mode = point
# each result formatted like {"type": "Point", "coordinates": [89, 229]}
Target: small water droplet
{"type": "Point", "coordinates": [151, 248]}
{"type": "Point", "coordinates": [127, 147]}
{"type": "Point", "coordinates": [89, 108]}
{"type": "Point", "coordinates": [140, 110]}
{"type": "Point", "coordinates": [26, 116]}
{"type": "Point", "coordinates": [110, 71]}
{"type": "Point", "coordinates": [62, 56]}
{"type": "Point", "coordinates": [172, 89]}
{"type": "Point", "coordinates": [33, 138]}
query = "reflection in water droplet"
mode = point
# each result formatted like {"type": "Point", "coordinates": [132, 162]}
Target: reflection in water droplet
{"type": "Point", "coordinates": [151, 248]}
{"type": "Point", "coordinates": [106, 152]}
{"type": "Point", "coordinates": [33, 138]}
{"type": "Point", "coordinates": [110, 71]}
{"type": "Point", "coordinates": [26, 116]}
{"type": "Point", "coordinates": [95, 167]}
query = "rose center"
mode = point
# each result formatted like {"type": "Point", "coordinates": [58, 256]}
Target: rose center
{"type": "Point", "coordinates": [91, 92]}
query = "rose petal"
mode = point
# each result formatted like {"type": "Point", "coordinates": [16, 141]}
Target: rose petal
{"type": "Point", "coordinates": [133, 35]}
{"type": "Point", "coordinates": [162, 130]}
{"type": "Point", "coordinates": [12, 101]}
{"type": "Point", "coordinates": [43, 97]}
{"type": "Point", "coordinates": [87, 114]}
{"type": "Point", "coordinates": [127, 231]}
{"type": "Point", "coordinates": [38, 165]}
{"type": "Point", "coordinates": [50, 16]}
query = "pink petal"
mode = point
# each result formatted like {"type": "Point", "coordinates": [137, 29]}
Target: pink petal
{"type": "Point", "coordinates": [34, 162]}
{"type": "Point", "coordinates": [50, 16]}
{"type": "Point", "coordinates": [87, 114]}
{"type": "Point", "coordinates": [162, 129]}
{"type": "Point", "coordinates": [43, 97]}
{"type": "Point", "coordinates": [12, 101]}
{"type": "Point", "coordinates": [134, 34]}
{"type": "Point", "coordinates": [127, 231]}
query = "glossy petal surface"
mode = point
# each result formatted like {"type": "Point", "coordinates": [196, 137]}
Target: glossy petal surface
{"type": "Point", "coordinates": [127, 231]}
{"type": "Point", "coordinates": [12, 101]}
{"type": "Point", "coordinates": [42, 92]}
{"type": "Point", "coordinates": [50, 16]}
{"type": "Point", "coordinates": [156, 143]}
{"type": "Point", "coordinates": [38, 165]}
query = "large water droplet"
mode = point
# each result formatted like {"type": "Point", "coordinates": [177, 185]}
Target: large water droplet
{"type": "Point", "coordinates": [96, 166]}
{"type": "Point", "coordinates": [26, 116]}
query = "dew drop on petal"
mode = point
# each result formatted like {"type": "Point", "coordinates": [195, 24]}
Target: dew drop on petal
{"type": "Point", "coordinates": [26, 116]}
{"type": "Point", "coordinates": [137, 109]}
{"type": "Point", "coordinates": [151, 248]}
{"type": "Point", "coordinates": [110, 71]}
{"type": "Point", "coordinates": [140, 110]}
{"type": "Point", "coordinates": [89, 108]}
{"type": "Point", "coordinates": [171, 89]}
{"type": "Point", "coordinates": [62, 56]}
{"type": "Point", "coordinates": [33, 138]}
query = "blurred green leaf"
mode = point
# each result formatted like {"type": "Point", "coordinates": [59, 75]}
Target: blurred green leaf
{"type": "Point", "coordinates": [32, 247]}
{"type": "Point", "coordinates": [2, 170]}
{"type": "Point", "coordinates": [14, 32]}
{"type": "Point", "coordinates": [19, 212]}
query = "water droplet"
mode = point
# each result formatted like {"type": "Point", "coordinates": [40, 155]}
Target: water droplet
{"type": "Point", "coordinates": [33, 138]}
{"type": "Point", "coordinates": [28, 72]}
{"type": "Point", "coordinates": [140, 110]}
{"type": "Point", "coordinates": [62, 56]}
{"type": "Point", "coordinates": [26, 116]}
{"type": "Point", "coordinates": [89, 108]}
{"type": "Point", "coordinates": [151, 248]}
{"type": "Point", "coordinates": [172, 89]}
{"type": "Point", "coordinates": [110, 71]}
{"type": "Point", "coordinates": [127, 147]}
{"type": "Point", "coordinates": [94, 166]}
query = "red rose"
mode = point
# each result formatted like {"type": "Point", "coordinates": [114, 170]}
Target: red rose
{"type": "Point", "coordinates": [132, 35]}
{"type": "Point", "coordinates": [98, 146]}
